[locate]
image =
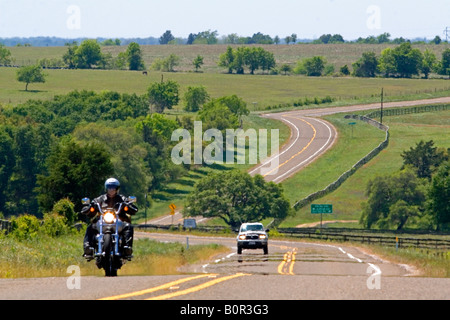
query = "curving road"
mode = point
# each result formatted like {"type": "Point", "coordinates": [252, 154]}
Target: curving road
{"type": "Point", "coordinates": [312, 136]}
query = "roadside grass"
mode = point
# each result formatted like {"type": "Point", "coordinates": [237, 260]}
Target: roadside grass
{"type": "Point", "coordinates": [427, 262]}
{"type": "Point", "coordinates": [44, 256]}
{"type": "Point", "coordinates": [259, 91]}
{"type": "Point", "coordinates": [405, 132]}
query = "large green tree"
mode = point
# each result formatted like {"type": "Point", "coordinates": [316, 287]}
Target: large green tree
{"type": "Point", "coordinates": [166, 38]}
{"type": "Point", "coordinates": [127, 152]}
{"type": "Point", "coordinates": [134, 57]}
{"type": "Point", "coordinates": [236, 197]}
{"type": "Point", "coordinates": [393, 200]}
{"type": "Point", "coordinates": [216, 115]}
{"type": "Point", "coordinates": [366, 66]}
{"type": "Point", "coordinates": [163, 95]}
{"type": "Point", "coordinates": [445, 63]}
{"type": "Point", "coordinates": [253, 58]}
{"type": "Point", "coordinates": [5, 55]}
{"type": "Point", "coordinates": [85, 56]}
{"type": "Point", "coordinates": [408, 61]}
{"type": "Point", "coordinates": [226, 59]}
{"type": "Point", "coordinates": [195, 97]}
{"type": "Point", "coordinates": [7, 161]}
{"type": "Point", "coordinates": [314, 66]}
{"type": "Point", "coordinates": [74, 171]}
{"type": "Point", "coordinates": [89, 54]}
{"type": "Point", "coordinates": [439, 197]}
{"type": "Point", "coordinates": [156, 131]}
{"type": "Point", "coordinates": [425, 158]}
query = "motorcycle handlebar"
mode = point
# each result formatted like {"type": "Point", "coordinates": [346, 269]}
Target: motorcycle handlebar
{"type": "Point", "coordinates": [126, 207]}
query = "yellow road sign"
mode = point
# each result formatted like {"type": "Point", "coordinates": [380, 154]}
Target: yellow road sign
{"type": "Point", "coordinates": [172, 208]}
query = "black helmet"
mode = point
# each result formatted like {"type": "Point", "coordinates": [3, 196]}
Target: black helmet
{"type": "Point", "coordinates": [112, 183]}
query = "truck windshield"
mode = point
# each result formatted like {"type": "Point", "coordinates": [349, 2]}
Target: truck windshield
{"type": "Point", "coordinates": [252, 227]}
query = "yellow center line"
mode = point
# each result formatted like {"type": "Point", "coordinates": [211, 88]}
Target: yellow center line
{"type": "Point", "coordinates": [197, 288]}
{"type": "Point", "coordinates": [287, 265]}
{"type": "Point", "coordinates": [291, 267]}
{"type": "Point", "coordinates": [281, 265]}
{"type": "Point", "coordinates": [161, 287]}
{"type": "Point", "coordinates": [298, 153]}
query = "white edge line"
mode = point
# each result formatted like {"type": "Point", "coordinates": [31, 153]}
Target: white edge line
{"type": "Point", "coordinates": [271, 158]}
{"type": "Point", "coordinates": [301, 163]}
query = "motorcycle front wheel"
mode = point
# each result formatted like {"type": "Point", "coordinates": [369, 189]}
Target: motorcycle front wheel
{"type": "Point", "coordinates": [110, 270]}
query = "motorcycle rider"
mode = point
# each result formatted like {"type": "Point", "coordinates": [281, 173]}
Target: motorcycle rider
{"type": "Point", "coordinates": [109, 200]}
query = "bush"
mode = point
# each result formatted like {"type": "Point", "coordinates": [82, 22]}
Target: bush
{"type": "Point", "coordinates": [25, 227]}
{"type": "Point", "coordinates": [54, 225]}
{"type": "Point", "coordinates": [65, 208]}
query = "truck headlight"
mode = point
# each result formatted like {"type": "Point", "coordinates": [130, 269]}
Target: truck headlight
{"type": "Point", "coordinates": [242, 237]}
{"type": "Point", "coordinates": [262, 236]}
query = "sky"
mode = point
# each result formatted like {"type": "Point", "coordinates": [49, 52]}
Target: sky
{"type": "Point", "coordinates": [145, 18]}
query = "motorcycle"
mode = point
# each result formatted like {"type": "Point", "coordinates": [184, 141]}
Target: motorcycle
{"type": "Point", "coordinates": [108, 251]}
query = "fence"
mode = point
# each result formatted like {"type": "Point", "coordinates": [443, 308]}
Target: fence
{"type": "Point", "coordinates": [5, 225]}
{"type": "Point", "coordinates": [369, 236]}
{"type": "Point", "coordinates": [365, 236]}
{"type": "Point", "coordinates": [410, 110]}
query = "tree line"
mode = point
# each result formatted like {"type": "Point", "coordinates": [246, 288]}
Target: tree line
{"type": "Point", "coordinates": [65, 148]}
{"type": "Point", "coordinates": [417, 196]}
{"type": "Point", "coordinates": [403, 61]}
{"type": "Point", "coordinates": [212, 37]}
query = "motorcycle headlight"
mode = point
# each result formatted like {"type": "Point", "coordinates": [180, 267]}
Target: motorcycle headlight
{"type": "Point", "coordinates": [109, 217]}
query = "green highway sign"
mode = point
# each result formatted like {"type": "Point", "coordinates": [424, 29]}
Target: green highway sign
{"type": "Point", "coordinates": [321, 208]}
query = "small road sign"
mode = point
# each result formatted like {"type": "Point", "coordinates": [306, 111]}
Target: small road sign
{"type": "Point", "coordinates": [172, 208]}
{"type": "Point", "coordinates": [321, 208]}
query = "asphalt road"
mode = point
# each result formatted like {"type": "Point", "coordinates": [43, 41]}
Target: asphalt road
{"type": "Point", "coordinates": [291, 271]}
{"type": "Point", "coordinates": [310, 137]}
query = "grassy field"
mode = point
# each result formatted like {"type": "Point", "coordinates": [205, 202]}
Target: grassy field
{"type": "Point", "coordinates": [336, 54]}
{"type": "Point", "coordinates": [259, 91]}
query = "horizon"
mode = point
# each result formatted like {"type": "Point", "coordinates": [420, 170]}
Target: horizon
{"type": "Point", "coordinates": [74, 19]}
